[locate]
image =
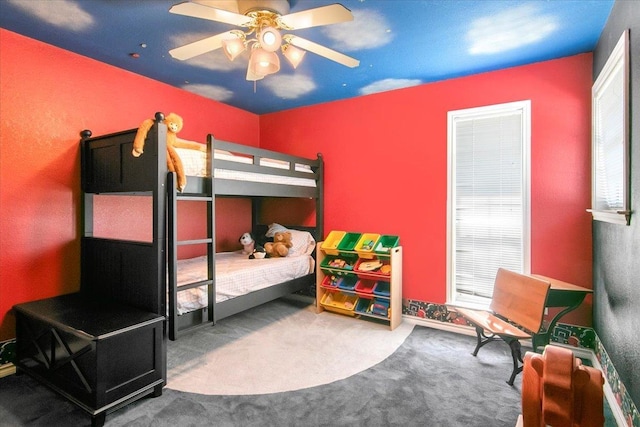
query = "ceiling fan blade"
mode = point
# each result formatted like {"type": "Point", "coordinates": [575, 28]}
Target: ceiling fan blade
{"type": "Point", "coordinates": [199, 47]}
{"type": "Point", "coordinates": [228, 5]}
{"type": "Point", "coordinates": [325, 15]}
{"type": "Point", "coordinates": [197, 10]}
{"type": "Point", "coordinates": [323, 51]}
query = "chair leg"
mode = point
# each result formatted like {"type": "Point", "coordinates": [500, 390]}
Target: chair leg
{"type": "Point", "coordinates": [516, 355]}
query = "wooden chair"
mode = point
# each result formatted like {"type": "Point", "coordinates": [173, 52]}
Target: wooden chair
{"type": "Point", "coordinates": [557, 390]}
{"type": "Point", "coordinates": [517, 310]}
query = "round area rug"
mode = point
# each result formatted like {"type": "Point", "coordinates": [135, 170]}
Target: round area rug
{"type": "Point", "coordinates": [278, 347]}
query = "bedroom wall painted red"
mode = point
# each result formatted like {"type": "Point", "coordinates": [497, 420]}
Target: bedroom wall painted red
{"type": "Point", "coordinates": [386, 166]}
{"type": "Point", "coordinates": [385, 161]}
{"type": "Point", "coordinates": [47, 96]}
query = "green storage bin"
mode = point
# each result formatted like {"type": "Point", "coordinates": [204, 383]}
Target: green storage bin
{"type": "Point", "coordinates": [348, 242]}
{"type": "Point", "coordinates": [385, 243]}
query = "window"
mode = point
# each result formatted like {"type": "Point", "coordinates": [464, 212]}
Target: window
{"type": "Point", "coordinates": [610, 138]}
{"type": "Point", "coordinates": [488, 198]}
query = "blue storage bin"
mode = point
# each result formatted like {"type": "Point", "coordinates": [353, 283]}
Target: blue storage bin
{"type": "Point", "coordinates": [348, 283]}
{"type": "Point", "coordinates": [363, 306]}
{"type": "Point", "coordinates": [380, 307]}
{"type": "Point", "coordinates": [382, 289]}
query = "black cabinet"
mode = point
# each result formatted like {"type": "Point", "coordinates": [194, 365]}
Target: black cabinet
{"type": "Point", "coordinates": [99, 355]}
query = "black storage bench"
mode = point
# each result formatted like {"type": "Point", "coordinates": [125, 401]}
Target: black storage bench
{"type": "Point", "coordinates": [99, 355]}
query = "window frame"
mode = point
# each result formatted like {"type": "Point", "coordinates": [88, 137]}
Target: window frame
{"type": "Point", "coordinates": [603, 88]}
{"type": "Point", "coordinates": [524, 107]}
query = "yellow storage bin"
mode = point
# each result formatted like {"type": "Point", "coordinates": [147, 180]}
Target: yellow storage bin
{"type": "Point", "coordinates": [366, 245]}
{"type": "Point", "coordinates": [339, 303]}
{"type": "Point", "coordinates": [330, 244]}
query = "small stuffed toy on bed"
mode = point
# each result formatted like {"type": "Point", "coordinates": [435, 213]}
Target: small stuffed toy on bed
{"type": "Point", "coordinates": [248, 243]}
{"type": "Point", "coordinates": [258, 253]}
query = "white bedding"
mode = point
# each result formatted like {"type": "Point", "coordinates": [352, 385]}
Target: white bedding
{"type": "Point", "coordinates": [237, 275]}
{"type": "Point", "coordinates": [195, 164]}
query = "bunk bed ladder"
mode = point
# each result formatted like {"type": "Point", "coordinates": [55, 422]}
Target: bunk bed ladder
{"type": "Point", "coordinates": [172, 254]}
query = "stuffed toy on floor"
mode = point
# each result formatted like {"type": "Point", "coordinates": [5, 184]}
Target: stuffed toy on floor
{"type": "Point", "coordinates": [174, 163]}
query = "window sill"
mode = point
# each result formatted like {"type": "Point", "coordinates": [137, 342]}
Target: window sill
{"type": "Point", "coordinates": [614, 217]}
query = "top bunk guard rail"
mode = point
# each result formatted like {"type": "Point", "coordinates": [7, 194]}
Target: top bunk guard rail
{"type": "Point", "coordinates": [254, 156]}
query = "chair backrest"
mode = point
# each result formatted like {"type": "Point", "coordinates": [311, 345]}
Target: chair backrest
{"type": "Point", "coordinates": [520, 298]}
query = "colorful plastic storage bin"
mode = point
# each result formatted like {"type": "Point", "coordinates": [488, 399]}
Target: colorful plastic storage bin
{"type": "Point", "coordinates": [348, 283]}
{"type": "Point", "coordinates": [343, 262]}
{"type": "Point", "coordinates": [330, 244]}
{"type": "Point", "coordinates": [365, 287]}
{"type": "Point", "coordinates": [385, 243]}
{"type": "Point", "coordinates": [380, 307]}
{"type": "Point", "coordinates": [382, 289]}
{"type": "Point", "coordinates": [364, 306]}
{"type": "Point", "coordinates": [348, 242]}
{"type": "Point", "coordinates": [332, 281]}
{"type": "Point", "coordinates": [340, 303]}
{"type": "Point", "coordinates": [366, 244]}
{"type": "Point", "coordinates": [383, 271]}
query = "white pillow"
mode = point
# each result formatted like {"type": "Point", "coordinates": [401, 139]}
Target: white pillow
{"type": "Point", "coordinates": [303, 243]}
{"type": "Point", "coordinates": [273, 228]}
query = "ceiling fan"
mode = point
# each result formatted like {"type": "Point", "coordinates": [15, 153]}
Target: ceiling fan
{"type": "Point", "coordinates": [264, 20]}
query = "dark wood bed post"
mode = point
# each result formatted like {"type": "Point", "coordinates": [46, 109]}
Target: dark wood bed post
{"type": "Point", "coordinates": [320, 200]}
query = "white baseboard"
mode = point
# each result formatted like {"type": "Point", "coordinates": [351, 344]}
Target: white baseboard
{"type": "Point", "coordinates": [583, 353]}
{"type": "Point", "coordinates": [443, 326]}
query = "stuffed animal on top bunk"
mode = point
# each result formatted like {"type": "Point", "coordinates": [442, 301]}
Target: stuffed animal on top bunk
{"type": "Point", "coordinates": [174, 163]}
{"type": "Point", "coordinates": [280, 245]}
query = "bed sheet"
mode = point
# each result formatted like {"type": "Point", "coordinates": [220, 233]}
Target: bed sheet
{"type": "Point", "coordinates": [237, 275]}
{"type": "Point", "coordinates": [195, 164]}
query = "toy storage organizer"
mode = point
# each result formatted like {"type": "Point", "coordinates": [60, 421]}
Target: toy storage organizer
{"type": "Point", "coordinates": [360, 275]}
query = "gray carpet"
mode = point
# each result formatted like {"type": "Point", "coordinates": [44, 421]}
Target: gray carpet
{"type": "Point", "coordinates": [430, 380]}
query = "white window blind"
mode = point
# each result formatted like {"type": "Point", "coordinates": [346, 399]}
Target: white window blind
{"type": "Point", "coordinates": [610, 174]}
{"type": "Point", "coordinates": [488, 198]}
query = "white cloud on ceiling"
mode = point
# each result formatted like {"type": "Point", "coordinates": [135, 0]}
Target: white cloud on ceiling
{"type": "Point", "coordinates": [388, 84]}
{"type": "Point", "coordinates": [288, 86]}
{"type": "Point", "coordinates": [368, 30]}
{"type": "Point", "coordinates": [60, 13]}
{"type": "Point", "coordinates": [215, 60]}
{"type": "Point", "coordinates": [209, 91]}
{"type": "Point", "coordinates": [508, 30]}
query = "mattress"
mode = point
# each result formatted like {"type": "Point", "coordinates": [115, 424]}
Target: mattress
{"type": "Point", "coordinates": [195, 164]}
{"type": "Point", "coordinates": [236, 275]}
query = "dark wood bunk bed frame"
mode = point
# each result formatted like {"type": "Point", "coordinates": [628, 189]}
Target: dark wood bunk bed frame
{"type": "Point", "coordinates": [108, 159]}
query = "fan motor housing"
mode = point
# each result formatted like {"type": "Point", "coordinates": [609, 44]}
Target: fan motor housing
{"type": "Point", "coordinates": [280, 7]}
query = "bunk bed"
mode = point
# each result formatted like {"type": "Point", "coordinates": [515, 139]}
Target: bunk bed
{"type": "Point", "coordinates": [225, 170]}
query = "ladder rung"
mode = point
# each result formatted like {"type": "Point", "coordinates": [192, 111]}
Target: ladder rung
{"type": "Point", "coordinates": [193, 285]}
{"type": "Point", "coordinates": [193, 242]}
{"type": "Point", "coordinates": [195, 198]}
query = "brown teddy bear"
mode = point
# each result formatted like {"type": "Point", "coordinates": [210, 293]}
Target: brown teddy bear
{"type": "Point", "coordinates": [280, 245]}
{"type": "Point", "coordinates": [174, 163]}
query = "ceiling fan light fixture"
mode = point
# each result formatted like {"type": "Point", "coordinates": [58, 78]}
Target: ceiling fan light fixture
{"type": "Point", "coordinates": [293, 54]}
{"type": "Point", "coordinates": [233, 47]}
{"type": "Point", "coordinates": [263, 62]}
{"type": "Point", "coordinates": [270, 39]}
